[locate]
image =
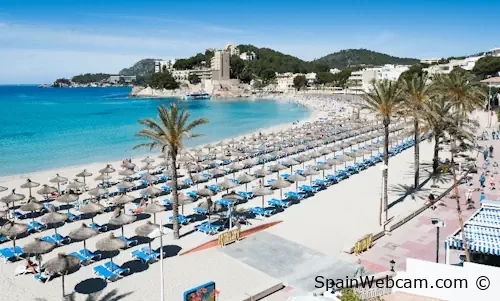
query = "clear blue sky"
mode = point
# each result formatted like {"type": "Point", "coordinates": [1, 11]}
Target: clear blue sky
{"type": "Point", "coordinates": [41, 40]}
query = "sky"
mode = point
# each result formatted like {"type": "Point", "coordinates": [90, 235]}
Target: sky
{"type": "Point", "coordinates": [42, 40]}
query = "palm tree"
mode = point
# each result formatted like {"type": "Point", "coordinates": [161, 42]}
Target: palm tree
{"type": "Point", "coordinates": [384, 99]}
{"type": "Point", "coordinates": [168, 135]}
{"type": "Point", "coordinates": [417, 92]}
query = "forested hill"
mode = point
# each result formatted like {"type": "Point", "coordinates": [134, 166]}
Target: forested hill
{"type": "Point", "coordinates": [143, 68]}
{"type": "Point", "coordinates": [362, 57]}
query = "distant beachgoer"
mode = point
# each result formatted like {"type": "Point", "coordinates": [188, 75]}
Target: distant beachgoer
{"type": "Point", "coordinates": [491, 151]}
{"type": "Point", "coordinates": [30, 266]}
{"type": "Point", "coordinates": [492, 182]}
{"type": "Point", "coordinates": [482, 197]}
{"type": "Point", "coordinates": [468, 195]}
{"type": "Point", "coordinates": [360, 269]}
{"type": "Point", "coordinates": [485, 154]}
{"type": "Point", "coordinates": [482, 179]}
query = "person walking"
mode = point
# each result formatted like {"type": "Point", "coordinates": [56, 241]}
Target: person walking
{"type": "Point", "coordinates": [482, 179]}
{"type": "Point", "coordinates": [360, 269]}
{"type": "Point", "coordinates": [491, 151]}
{"type": "Point", "coordinates": [492, 182]}
{"type": "Point", "coordinates": [482, 197]}
{"type": "Point", "coordinates": [485, 154]}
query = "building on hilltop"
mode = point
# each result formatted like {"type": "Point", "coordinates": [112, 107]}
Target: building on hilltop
{"type": "Point", "coordinates": [114, 79]}
{"type": "Point", "coordinates": [361, 80]}
{"type": "Point", "coordinates": [430, 61]}
{"type": "Point", "coordinates": [466, 64]}
{"type": "Point", "coordinates": [232, 49]}
{"type": "Point", "coordinates": [248, 56]}
{"type": "Point", "coordinates": [494, 52]}
{"type": "Point", "coordinates": [161, 65]}
{"type": "Point", "coordinates": [220, 65]}
{"type": "Point", "coordinates": [335, 71]}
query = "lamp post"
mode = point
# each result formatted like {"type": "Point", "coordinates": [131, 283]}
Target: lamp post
{"type": "Point", "coordinates": [438, 223]}
{"type": "Point", "coordinates": [392, 263]}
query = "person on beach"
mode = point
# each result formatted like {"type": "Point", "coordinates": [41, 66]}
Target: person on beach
{"type": "Point", "coordinates": [491, 151]}
{"type": "Point", "coordinates": [482, 179]}
{"type": "Point", "coordinates": [482, 197]}
{"type": "Point", "coordinates": [492, 182]}
{"type": "Point", "coordinates": [30, 266]}
{"type": "Point", "coordinates": [485, 154]}
{"type": "Point", "coordinates": [141, 206]}
{"type": "Point", "coordinates": [360, 269]}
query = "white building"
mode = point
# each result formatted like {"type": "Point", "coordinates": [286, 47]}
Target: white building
{"type": "Point", "coordinates": [184, 74]}
{"type": "Point", "coordinates": [311, 77]}
{"type": "Point", "coordinates": [335, 70]}
{"type": "Point", "coordinates": [495, 52]}
{"type": "Point", "coordinates": [285, 81]}
{"type": "Point", "coordinates": [248, 56]}
{"type": "Point", "coordinates": [467, 64]}
{"type": "Point", "coordinates": [361, 80]}
{"type": "Point", "coordinates": [430, 61]}
{"type": "Point", "coordinates": [167, 64]}
{"type": "Point", "coordinates": [391, 72]}
{"type": "Point", "coordinates": [232, 49]}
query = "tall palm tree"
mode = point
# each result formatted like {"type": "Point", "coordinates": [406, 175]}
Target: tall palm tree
{"type": "Point", "coordinates": [417, 91]}
{"type": "Point", "coordinates": [168, 135]}
{"type": "Point", "coordinates": [385, 100]}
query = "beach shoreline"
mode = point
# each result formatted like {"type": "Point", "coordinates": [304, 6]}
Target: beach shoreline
{"type": "Point", "coordinates": [316, 111]}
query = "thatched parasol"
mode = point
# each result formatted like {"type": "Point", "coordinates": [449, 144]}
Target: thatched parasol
{"type": "Point", "coordinates": [84, 174]}
{"type": "Point", "coordinates": [121, 219]}
{"type": "Point", "coordinates": [227, 184]}
{"type": "Point", "coordinates": [12, 197]}
{"type": "Point", "coordinates": [83, 233]}
{"type": "Point", "coordinates": [38, 247]}
{"type": "Point", "coordinates": [30, 184]}
{"type": "Point", "coordinates": [58, 180]}
{"type": "Point", "coordinates": [46, 190]}
{"type": "Point", "coordinates": [245, 179]}
{"type": "Point", "coordinates": [145, 230]}
{"type": "Point", "coordinates": [123, 199]}
{"type": "Point", "coordinates": [280, 184]}
{"type": "Point", "coordinates": [110, 243]}
{"type": "Point", "coordinates": [75, 185]}
{"type": "Point", "coordinates": [296, 178]}
{"type": "Point", "coordinates": [53, 218]}
{"type": "Point", "coordinates": [107, 170]}
{"type": "Point", "coordinates": [12, 229]}
{"type": "Point", "coordinates": [261, 172]}
{"type": "Point", "coordinates": [125, 185]}
{"type": "Point", "coordinates": [62, 264]}
{"type": "Point", "coordinates": [262, 191]}
{"type": "Point", "coordinates": [32, 206]}
{"type": "Point", "coordinates": [91, 208]}
{"type": "Point", "coordinates": [98, 191]}
{"type": "Point", "coordinates": [126, 172]}
{"type": "Point", "coordinates": [154, 208]}
{"type": "Point", "coordinates": [205, 192]}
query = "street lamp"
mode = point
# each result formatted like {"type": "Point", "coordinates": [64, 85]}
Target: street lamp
{"type": "Point", "coordinates": [392, 263]}
{"type": "Point", "coordinates": [438, 223]}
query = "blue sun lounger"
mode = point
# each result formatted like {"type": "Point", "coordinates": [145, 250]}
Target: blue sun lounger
{"type": "Point", "coordinates": [113, 267]}
{"type": "Point", "coordinates": [192, 194]}
{"type": "Point", "coordinates": [182, 219]}
{"type": "Point", "coordinates": [214, 187]}
{"type": "Point", "coordinates": [102, 272]}
{"type": "Point", "coordinates": [208, 228]}
{"type": "Point", "coordinates": [128, 241]}
{"type": "Point", "coordinates": [246, 195]}
{"type": "Point", "coordinates": [56, 239]}
{"type": "Point", "coordinates": [11, 253]}
{"type": "Point", "coordinates": [98, 227]}
{"type": "Point", "coordinates": [3, 238]}
{"type": "Point", "coordinates": [166, 202]}
{"type": "Point", "coordinates": [166, 188]}
{"type": "Point", "coordinates": [295, 195]}
{"type": "Point", "coordinates": [144, 257]}
{"type": "Point", "coordinates": [72, 217]}
{"type": "Point", "coordinates": [35, 226]}
{"type": "Point", "coordinates": [19, 215]}
{"type": "Point", "coordinates": [43, 277]}
{"type": "Point", "coordinates": [279, 203]}
{"type": "Point", "coordinates": [259, 211]}
{"type": "Point", "coordinates": [200, 211]}
{"type": "Point", "coordinates": [86, 256]}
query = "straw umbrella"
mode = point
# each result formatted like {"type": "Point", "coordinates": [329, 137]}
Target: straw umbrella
{"type": "Point", "coordinates": [62, 264]}
{"type": "Point", "coordinates": [276, 168]}
{"type": "Point", "coordinates": [261, 191]}
{"type": "Point", "coordinates": [216, 172]}
{"type": "Point", "coordinates": [32, 206]}
{"type": "Point", "coordinates": [235, 166]}
{"type": "Point", "coordinates": [126, 172]}
{"type": "Point", "coordinates": [58, 180]}
{"type": "Point", "coordinates": [75, 185]}
{"type": "Point", "coordinates": [91, 208]}
{"type": "Point", "coordinates": [150, 178]}
{"type": "Point", "coordinates": [296, 178]}
{"type": "Point", "coordinates": [125, 185]}
{"type": "Point", "coordinates": [234, 198]}
{"type": "Point", "coordinates": [3, 188]}
{"type": "Point", "coordinates": [245, 179]}
{"type": "Point", "coordinates": [128, 165]}
{"type": "Point", "coordinates": [30, 184]}
{"type": "Point", "coordinates": [335, 162]}
{"type": "Point", "coordinates": [46, 190]}
{"type": "Point", "coordinates": [37, 248]}
{"type": "Point", "coordinates": [151, 192]}
{"type": "Point", "coordinates": [12, 229]}
{"type": "Point", "coordinates": [322, 167]}
{"type": "Point", "coordinates": [262, 172]}
{"type": "Point", "coordinates": [110, 243]}
{"type": "Point", "coordinates": [148, 159]}
{"type": "Point", "coordinates": [123, 199]}
{"type": "Point", "coordinates": [280, 184]}
{"type": "Point", "coordinates": [290, 162]}
{"type": "Point", "coordinates": [197, 178]}
{"type": "Point", "coordinates": [103, 177]}
{"type": "Point", "coordinates": [53, 218]}
{"type": "Point", "coordinates": [302, 159]}
{"type": "Point", "coordinates": [145, 230]}
{"type": "Point", "coordinates": [84, 174]}
{"type": "Point", "coordinates": [226, 184]}
{"type": "Point", "coordinates": [310, 172]}
{"type": "Point", "coordinates": [154, 208]}
{"type": "Point", "coordinates": [12, 197]}
{"type": "Point", "coordinates": [184, 199]}
{"type": "Point", "coordinates": [121, 219]}
{"type": "Point", "coordinates": [107, 170]}
{"type": "Point", "coordinates": [83, 233]}
{"type": "Point", "coordinates": [67, 198]}
{"type": "Point", "coordinates": [205, 192]}
{"type": "Point", "coordinates": [98, 191]}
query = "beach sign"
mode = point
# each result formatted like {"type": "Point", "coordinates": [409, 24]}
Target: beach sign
{"type": "Point", "coordinates": [363, 244]}
{"type": "Point", "coordinates": [204, 292]}
{"type": "Point", "coordinates": [229, 236]}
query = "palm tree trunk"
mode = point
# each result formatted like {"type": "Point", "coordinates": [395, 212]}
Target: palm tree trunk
{"type": "Point", "coordinates": [435, 160]}
{"type": "Point", "coordinates": [459, 211]}
{"type": "Point", "coordinates": [417, 155]}
{"type": "Point", "coordinates": [385, 173]}
{"type": "Point", "coordinates": [175, 197]}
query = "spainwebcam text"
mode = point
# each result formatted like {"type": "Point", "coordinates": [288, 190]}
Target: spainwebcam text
{"type": "Point", "coordinates": [386, 282]}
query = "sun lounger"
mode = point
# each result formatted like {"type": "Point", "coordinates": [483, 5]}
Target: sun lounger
{"type": "Point", "coordinates": [200, 211]}
{"type": "Point", "coordinates": [98, 227]}
{"type": "Point", "coordinates": [192, 194]}
{"type": "Point", "coordinates": [43, 277]}
{"type": "Point", "coordinates": [56, 239]}
{"type": "Point", "coordinates": [246, 195]}
{"type": "Point", "coordinates": [35, 226]}
{"type": "Point", "coordinates": [207, 228]}
{"type": "Point", "coordinates": [279, 203]}
{"type": "Point", "coordinates": [285, 176]}
{"type": "Point", "coordinates": [10, 253]}
{"type": "Point", "coordinates": [259, 211]}
{"type": "Point", "coordinates": [72, 217]}
{"type": "Point", "coordinates": [3, 238]}
{"type": "Point", "coordinates": [182, 219]}
{"type": "Point", "coordinates": [295, 195]}
{"type": "Point", "coordinates": [102, 272]}
{"type": "Point", "coordinates": [145, 255]}
{"type": "Point", "coordinates": [166, 202]}
{"type": "Point", "coordinates": [128, 241]}
{"type": "Point", "coordinates": [86, 256]}
{"type": "Point", "coordinates": [166, 188]}
{"type": "Point", "coordinates": [113, 267]}
{"type": "Point", "coordinates": [214, 187]}
{"type": "Point", "coordinates": [19, 215]}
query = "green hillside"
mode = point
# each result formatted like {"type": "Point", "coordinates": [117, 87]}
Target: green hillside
{"type": "Point", "coordinates": [362, 57]}
{"type": "Point", "coordinates": [143, 68]}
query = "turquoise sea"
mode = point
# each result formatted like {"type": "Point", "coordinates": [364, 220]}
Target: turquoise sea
{"type": "Point", "coordinates": [44, 129]}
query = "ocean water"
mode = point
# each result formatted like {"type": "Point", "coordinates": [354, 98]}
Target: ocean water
{"type": "Point", "coordinates": [44, 129]}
